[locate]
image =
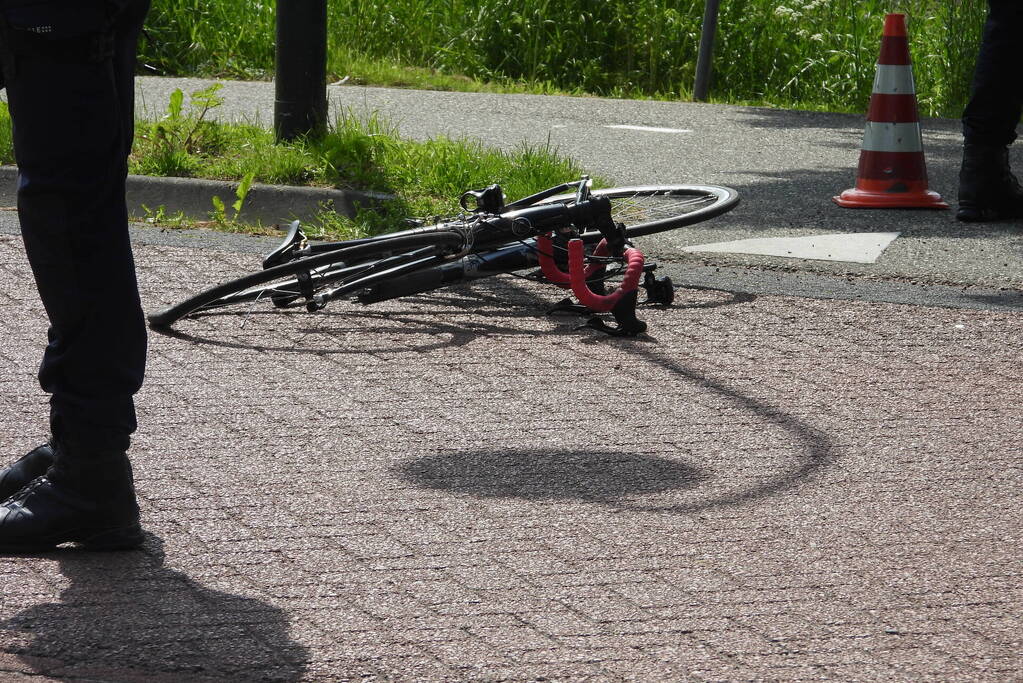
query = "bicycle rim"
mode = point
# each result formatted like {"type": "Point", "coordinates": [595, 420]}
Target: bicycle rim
{"type": "Point", "coordinates": [291, 283]}
{"type": "Point", "coordinates": [648, 209]}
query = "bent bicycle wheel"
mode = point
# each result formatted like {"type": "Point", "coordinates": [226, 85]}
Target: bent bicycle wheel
{"type": "Point", "coordinates": [648, 209]}
{"type": "Point", "coordinates": [296, 282]}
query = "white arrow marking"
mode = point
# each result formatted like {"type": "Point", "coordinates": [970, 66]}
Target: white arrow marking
{"type": "Point", "coordinates": [862, 247]}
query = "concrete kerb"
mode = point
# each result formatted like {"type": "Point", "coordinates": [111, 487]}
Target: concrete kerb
{"type": "Point", "coordinates": [193, 197]}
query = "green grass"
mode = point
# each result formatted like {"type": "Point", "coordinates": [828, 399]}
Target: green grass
{"type": "Point", "coordinates": [364, 153]}
{"type": "Point", "coordinates": [816, 54]}
{"type": "Point", "coordinates": [6, 136]}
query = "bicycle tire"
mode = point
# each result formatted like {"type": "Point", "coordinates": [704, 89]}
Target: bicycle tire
{"type": "Point", "coordinates": [266, 283]}
{"type": "Point", "coordinates": [649, 209]}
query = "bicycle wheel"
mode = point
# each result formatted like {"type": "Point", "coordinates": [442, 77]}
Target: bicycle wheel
{"type": "Point", "coordinates": [295, 282]}
{"type": "Point", "coordinates": [648, 209]}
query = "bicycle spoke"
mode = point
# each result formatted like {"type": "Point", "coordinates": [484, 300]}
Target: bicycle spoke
{"type": "Point", "coordinates": [641, 207]}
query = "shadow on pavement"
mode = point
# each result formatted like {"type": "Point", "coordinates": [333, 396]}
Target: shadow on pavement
{"type": "Point", "coordinates": [778, 201]}
{"type": "Point", "coordinates": [611, 477]}
{"type": "Point", "coordinates": [603, 477]}
{"type": "Point", "coordinates": [801, 197]}
{"type": "Point", "coordinates": [124, 616]}
{"type": "Point", "coordinates": [813, 448]}
{"type": "Point", "coordinates": [415, 323]}
{"type": "Point", "coordinates": [788, 119]}
{"type": "Point", "coordinates": [597, 476]}
{"type": "Point", "coordinates": [329, 324]}
{"type": "Point", "coordinates": [1011, 299]}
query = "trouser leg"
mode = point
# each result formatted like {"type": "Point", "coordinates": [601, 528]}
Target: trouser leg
{"type": "Point", "coordinates": [994, 109]}
{"type": "Point", "coordinates": [71, 154]}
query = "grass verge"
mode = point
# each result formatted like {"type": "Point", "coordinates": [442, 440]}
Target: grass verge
{"type": "Point", "coordinates": [362, 153]}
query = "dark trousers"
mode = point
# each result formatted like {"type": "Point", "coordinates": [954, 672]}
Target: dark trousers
{"type": "Point", "coordinates": [73, 127]}
{"type": "Point", "coordinates": [996, 99]}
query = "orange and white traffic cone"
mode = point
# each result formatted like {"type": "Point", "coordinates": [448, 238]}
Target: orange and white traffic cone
{"type": "Point", "coordinates": [892, 172]}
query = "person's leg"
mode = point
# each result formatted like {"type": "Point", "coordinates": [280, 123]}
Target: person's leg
{"type": "Point", "coordinates": [987, 188]}
{"type": "Point", "coordinates": [72, 167]}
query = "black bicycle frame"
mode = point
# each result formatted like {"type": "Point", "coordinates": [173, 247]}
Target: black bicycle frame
{"type": "Point", "coordinates": [488, 231]}
{"type": "Point", "coordinates": [470, 267]}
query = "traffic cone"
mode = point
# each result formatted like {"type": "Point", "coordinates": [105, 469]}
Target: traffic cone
{"type": "Point", "coordinates": [892, 172]}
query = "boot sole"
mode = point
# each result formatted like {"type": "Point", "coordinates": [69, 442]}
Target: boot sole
{"type": "Point", "coordinates": [972, 213]}
{"type": "Point", "coordinates": [119, 538]}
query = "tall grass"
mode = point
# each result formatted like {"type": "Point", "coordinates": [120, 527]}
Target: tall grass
{"type": "Point", "coordinates": [812, 53]}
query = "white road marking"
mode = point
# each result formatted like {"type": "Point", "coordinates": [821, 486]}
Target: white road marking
{"type": "Point", "coordinates": [863, 247]}
{"type": "Point", "coordinates": [649, 129]}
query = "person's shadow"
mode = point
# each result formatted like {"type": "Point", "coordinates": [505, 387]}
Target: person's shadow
{"type": "Point", "coordinates": [124, 616]}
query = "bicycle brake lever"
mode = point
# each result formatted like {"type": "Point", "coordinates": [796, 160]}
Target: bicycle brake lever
{"type": "Point", "coordinates": [624, 313]}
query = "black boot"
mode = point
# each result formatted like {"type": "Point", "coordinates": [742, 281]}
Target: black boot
{"type": "Point", "coordinates": [86, 501]}
{"type": "Point", "coordinates": [18, 474]}
{"type": "Point", "coordinates": [988, 191]}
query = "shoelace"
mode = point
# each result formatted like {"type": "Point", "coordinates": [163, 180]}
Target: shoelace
{"type": "Point", "coordinates": [26, 490]}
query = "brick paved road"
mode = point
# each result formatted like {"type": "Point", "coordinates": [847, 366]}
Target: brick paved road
{"type": "Point", "coordinates": [459, 487]}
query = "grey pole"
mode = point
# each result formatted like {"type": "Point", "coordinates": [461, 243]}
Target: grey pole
{"type": "Point", "coordinates": [300, 107]}
{"type": "Point", "coordinates": [706, 56]}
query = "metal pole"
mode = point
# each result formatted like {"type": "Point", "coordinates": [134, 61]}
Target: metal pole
{"type": "Point", "coordinates": [300, 107]}
{"type": "Point", "coordinates": [706, 57]}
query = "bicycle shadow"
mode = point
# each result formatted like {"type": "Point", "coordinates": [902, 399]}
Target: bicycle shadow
{"type": "Point", "coordinates": [125, 616]}
{"type": "Point", "coordinates": [424, 315]}
{"type": "Point", "coordinates": [621, 480]}
{"type": "Point", "coordinates": [595, 476]}
{"type": "Point", "coordinates": [486, 473]}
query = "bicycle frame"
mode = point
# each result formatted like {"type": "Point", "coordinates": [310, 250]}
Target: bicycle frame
{"type": "Point", "coordinates": [492, 226]}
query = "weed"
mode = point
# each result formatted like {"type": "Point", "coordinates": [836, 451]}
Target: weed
{"type": "Point", "coordinates": [173, 145]}
{"type": "Point", "coordinates": [219, 213]}
{"type": "Point", "coordinates": [163, 217]}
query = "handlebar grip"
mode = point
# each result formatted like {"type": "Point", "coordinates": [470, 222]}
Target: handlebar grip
{"type": "Point", "coordinates": [596, 302]}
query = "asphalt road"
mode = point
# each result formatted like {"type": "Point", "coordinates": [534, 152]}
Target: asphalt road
{"type": "Point", "coordinates": [786, 165]}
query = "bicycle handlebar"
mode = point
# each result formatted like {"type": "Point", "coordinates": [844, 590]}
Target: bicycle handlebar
{"type": "Point", "coordinates": [539, 196]}
{"type": "Point", "coordinates": [597, 302]}
{"type": "Point", "coordinates": [545, 252]}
